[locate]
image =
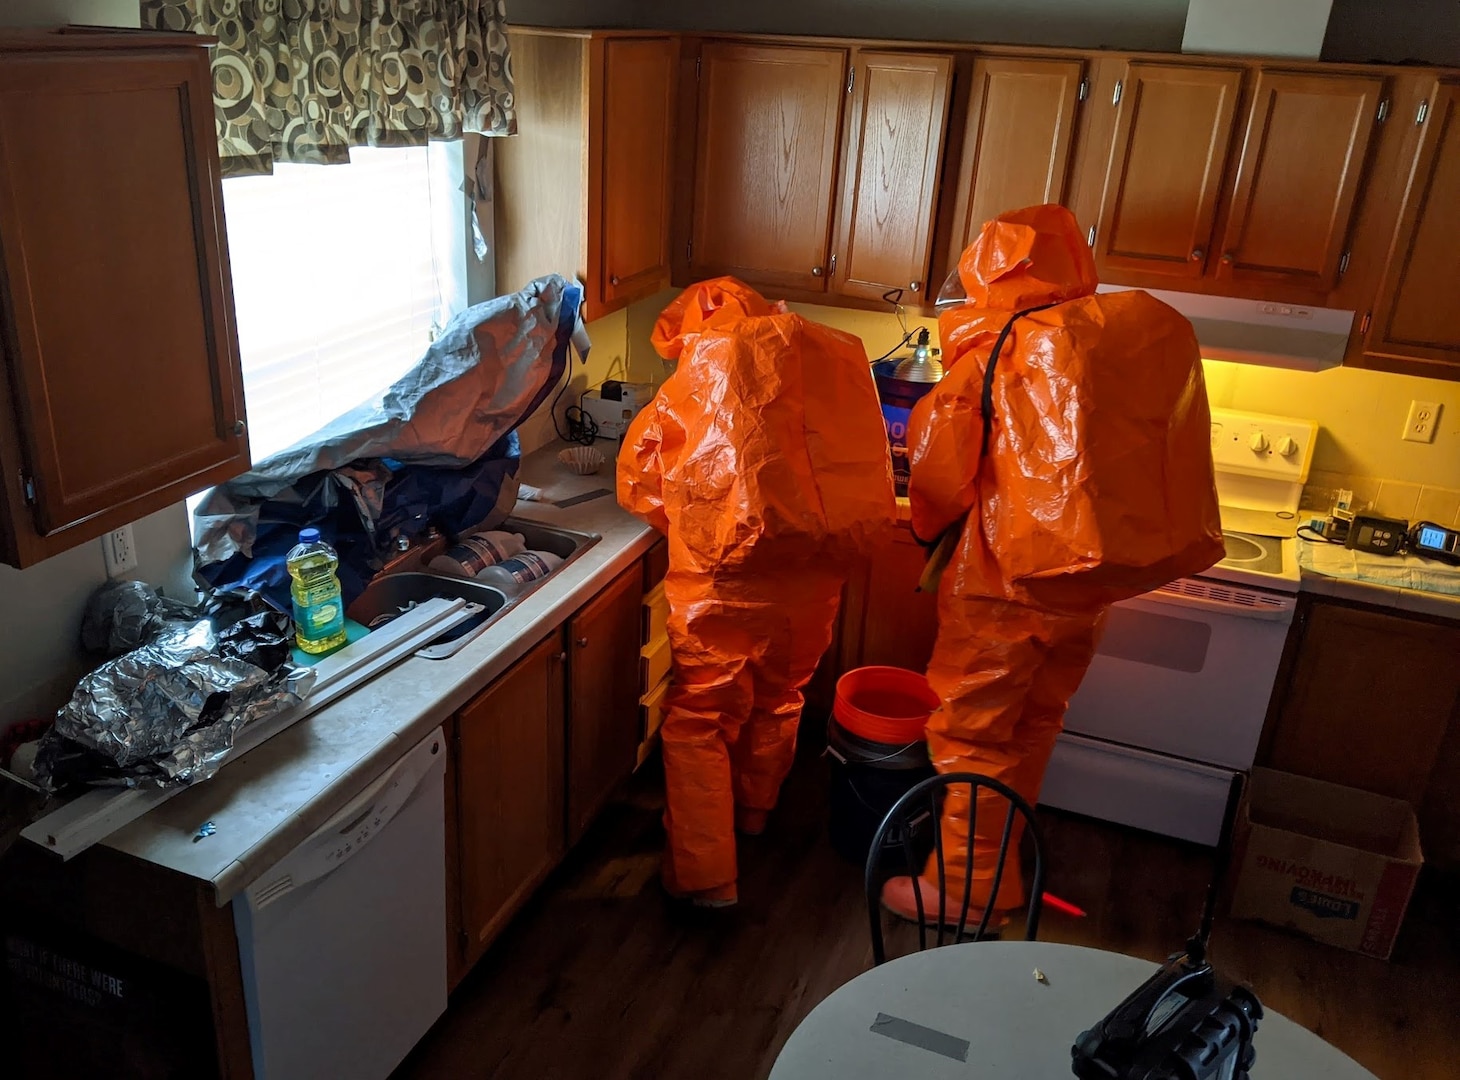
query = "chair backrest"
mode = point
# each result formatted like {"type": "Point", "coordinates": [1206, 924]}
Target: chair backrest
{"type": "Point", "coordinates": [896, 829]}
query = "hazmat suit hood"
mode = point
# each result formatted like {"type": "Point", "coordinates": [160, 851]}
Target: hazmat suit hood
{"type": "Point", "coordinates": [1099, 481]}
{"type": "Point", "coordinates": [765, 445]}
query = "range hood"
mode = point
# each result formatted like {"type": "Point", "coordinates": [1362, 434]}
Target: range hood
{"type": "Point", "coordinates": [1296, 336]}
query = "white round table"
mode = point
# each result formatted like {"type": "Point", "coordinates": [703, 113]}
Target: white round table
{"type": "Point", "coordinates": [1016, 1028]}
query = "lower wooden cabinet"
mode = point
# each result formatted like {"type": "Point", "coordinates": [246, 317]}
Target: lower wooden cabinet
{"type": "Point", "coordinates": [509, 794]}
{"type": "Point", "coordinates": [603, 704]}
{"type": "Point", "coordinates": [885, 619]}
{"type": "Point", "coordinates": [1369, 701]}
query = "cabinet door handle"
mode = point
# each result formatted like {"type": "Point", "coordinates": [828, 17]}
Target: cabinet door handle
{"type": "Point", "coordinates": [1198, 254]}
{"type": "Point", "coordinates": [560, 657]}
{"type": "Point", "coordinates": [581, 642]}
{"type": "Point", "coordinates": [1229, 257]}
{"type": "Point", "coordinates": [613, 279]}
{"type": "Point", "coordinates": [916, 286]}
{"type": "Point", "coordinates": [816, 271]}
{"type": "Point", "coordinates": [240, 429]}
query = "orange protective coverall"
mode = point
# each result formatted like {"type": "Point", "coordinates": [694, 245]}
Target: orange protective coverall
{"type": "Point", "coordinates": [1097, 486]}
{"type": "Point", "coordinates": [764, 460]}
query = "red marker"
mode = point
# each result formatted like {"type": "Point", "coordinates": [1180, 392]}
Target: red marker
{"type": "Point", "coordinates": [1064, 907]}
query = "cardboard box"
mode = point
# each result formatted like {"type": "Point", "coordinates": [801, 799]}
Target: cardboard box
{"type": "Point", "coordinates": [1331, 862]}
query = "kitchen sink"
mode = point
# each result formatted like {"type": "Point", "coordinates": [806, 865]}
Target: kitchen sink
{"type": "Point", "coordinates": [397, 591]}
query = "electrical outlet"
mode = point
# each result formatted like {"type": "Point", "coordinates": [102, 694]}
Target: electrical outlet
{"type": "Point", "coordinates": [120, 551]}
{"type": "Point", "coordinates": [1419, 425]}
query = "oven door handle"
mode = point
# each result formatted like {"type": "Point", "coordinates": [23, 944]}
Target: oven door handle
{"type": "Point", "coordinates": [1264, 612]}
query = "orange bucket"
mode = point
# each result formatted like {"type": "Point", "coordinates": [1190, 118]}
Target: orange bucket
{"type": "Point", "coordinates": [884, 704]}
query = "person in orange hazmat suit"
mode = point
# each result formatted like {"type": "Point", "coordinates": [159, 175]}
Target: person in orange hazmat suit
{"type": "Point", "coordinates": [1064, 463]}
{"type": "Point", "coordinates": [764, 461]}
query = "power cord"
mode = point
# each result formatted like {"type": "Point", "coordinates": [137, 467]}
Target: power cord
{"type": "Point", "coordinates": [581, 427]}
{"type": "Point", "coordinates": [1307, 532]}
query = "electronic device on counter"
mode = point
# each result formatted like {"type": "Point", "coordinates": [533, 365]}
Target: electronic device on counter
{"type": "Point", "coordinates": [1434, 542]}
{"type": "Point", "coordinates": [1376, 535]}
{"type": "Point", "coordinates": [612, 405]}
{"type": "Point", "coordinates": [1186, 1022]}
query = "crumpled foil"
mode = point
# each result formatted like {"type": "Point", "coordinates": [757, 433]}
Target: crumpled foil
{"type": "Point", "coordinates": [124, 615]}
{"type": "Point", "coordinates": [169, 712]}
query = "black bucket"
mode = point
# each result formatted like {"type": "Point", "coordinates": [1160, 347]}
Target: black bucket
{"type": "Point", "coordinates": [866, 779]}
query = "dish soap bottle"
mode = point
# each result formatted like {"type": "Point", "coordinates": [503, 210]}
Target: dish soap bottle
{"type": "Point", "coordinates": [319, 610]}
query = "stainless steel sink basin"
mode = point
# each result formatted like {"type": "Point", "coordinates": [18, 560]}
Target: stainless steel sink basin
{"type": "Point", "coordinates": [395, 592]}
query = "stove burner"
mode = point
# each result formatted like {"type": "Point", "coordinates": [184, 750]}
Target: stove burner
{"type": "Point", "coordinates": [1242, 550]}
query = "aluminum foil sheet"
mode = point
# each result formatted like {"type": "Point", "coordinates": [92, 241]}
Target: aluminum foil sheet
{"type": "Point", "coordinates": [165, 713]}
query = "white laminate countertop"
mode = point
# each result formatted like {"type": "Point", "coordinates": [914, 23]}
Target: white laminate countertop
{"type": "Point", "coordinates": [268, 801]}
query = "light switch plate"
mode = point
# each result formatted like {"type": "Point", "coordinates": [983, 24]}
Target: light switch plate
{"type": "Point", "coordinates": [1419, 425]}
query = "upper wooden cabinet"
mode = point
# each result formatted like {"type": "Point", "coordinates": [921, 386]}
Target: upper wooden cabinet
{"type": "Point", "coordinates": [766, 163]}
{"type": "Point", "coordinates": [890, 181]}
{"type": "Point", "coordinates": [1416, 321]}
{"type": "Point", "coordinates": [1302, 158]}
{"type": "Point", "coordinates": [585, 185]}
{"type": "Point", "coordinates": [1258, 199]}
{"type": "Point", "coordinates": [1165, 169]}
{"type": "Point", "coordinates": [1017, 141]}
{"type": "Point", "coordinates": [120, 390]}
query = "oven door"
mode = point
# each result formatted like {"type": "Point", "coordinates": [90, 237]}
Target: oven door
{"type": "Point", "coordinates": [1186, 670]}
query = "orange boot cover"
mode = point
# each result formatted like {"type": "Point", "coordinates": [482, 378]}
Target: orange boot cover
{"type": "Point", "coordinates": [764, 460]}
{"type": "Point", "coordinates": [1096, 486]}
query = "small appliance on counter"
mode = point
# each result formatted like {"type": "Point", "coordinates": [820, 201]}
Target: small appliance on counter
{"type": "Point", "coordinates": [1174, 702]}
{"type": "Point", "coordinates": [614, 404]}
{"type": "Point", "coordinates": [901, 381]}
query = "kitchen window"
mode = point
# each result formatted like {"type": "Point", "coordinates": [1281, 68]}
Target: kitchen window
{"type": "Point", "coordinates": [341, 276]}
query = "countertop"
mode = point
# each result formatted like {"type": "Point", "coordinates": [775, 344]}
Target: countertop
{"type": "Point", "coordinates": [265, 803]}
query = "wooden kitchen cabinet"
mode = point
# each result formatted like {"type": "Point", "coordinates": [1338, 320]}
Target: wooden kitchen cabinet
{"type": "Point", "coordinates": [585, 185]}
{"type": "Point", "coordinates": [120, 392]}
{"type": "Point", "coordinates": [1302, 159]}
{"type": "Point", "coordinates": [765, 177]}
{"type": "Point", "coordinates": [1172, 137]}
{"type": "Point", "coordinates": [1368, 700]}
{"type": "Point", "coordinates": [890, 182]}
{"type": "Point", "coordinates": [1017, 141]}
{"type": "Point", "coordinates": [508, 794]}
{"type": "Point", "coordinates": [885, 620]}
{"type": "Point", "coordinates": [603, 697]}
{"type": "Point", "coordinates": [1415, 324]}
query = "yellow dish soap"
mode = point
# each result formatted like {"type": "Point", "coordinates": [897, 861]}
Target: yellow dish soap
{"type": "Point", "coordinates": [319, 610]}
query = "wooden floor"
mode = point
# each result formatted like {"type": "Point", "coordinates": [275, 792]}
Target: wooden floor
{"type": "Point", "coordinates": [601, 977]}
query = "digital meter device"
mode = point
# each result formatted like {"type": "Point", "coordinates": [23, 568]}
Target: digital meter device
{"type": "Point", "coordinates": [1435, 542]}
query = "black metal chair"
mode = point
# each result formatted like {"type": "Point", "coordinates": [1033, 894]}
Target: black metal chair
{"type": "Point", "coordinates": [898, 828]}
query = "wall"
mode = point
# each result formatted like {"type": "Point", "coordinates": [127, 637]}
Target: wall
{"type": "Point", "coordinates": [1361, 413]}
{"type": "Point", "coordinates": [1427, 30]}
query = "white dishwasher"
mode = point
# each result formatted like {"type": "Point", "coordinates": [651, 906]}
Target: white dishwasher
{"type": "Point", "coordinates": [343, 942]}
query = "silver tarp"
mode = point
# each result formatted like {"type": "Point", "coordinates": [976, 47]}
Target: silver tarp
{"type": "Point", "coordinates": [475, 383]}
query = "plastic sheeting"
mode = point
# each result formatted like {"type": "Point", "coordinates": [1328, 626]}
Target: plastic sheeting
{"type": "Point", "coordinates": [437, 448]}
{"type": "Point", "coordinates": [764, 460]}
{"type": "Point", "coordinates": [1096, 486]}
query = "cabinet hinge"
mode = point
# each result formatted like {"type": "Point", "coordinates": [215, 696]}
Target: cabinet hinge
{"type": "Point", "coordinates": [1364, 325]}
{"type": "Point", "coordinates": [851, 79]}
{"type": "Point", "coordinates": [1383, 113]}
{"type": "Point", "coordinates": [1119, 87]}
{"type": "Point", "coordinates": [698, 60]}
{"type": "Point", "coordinates": [1090, 236]}
{"type": "Point", "coordinates": [1343, 263]}
{"type": "Point", "coordinates": [27, 485]}
{"type": "Point", "coordinates": [1424, 111]}
{"type": "Point", "coordinates": [689, 252]}
{"type": "Point", "coordinates": [1084, 91]}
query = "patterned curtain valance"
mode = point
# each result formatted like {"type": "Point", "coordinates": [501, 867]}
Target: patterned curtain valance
{"type": "Point", "coordinates": [305, 80]}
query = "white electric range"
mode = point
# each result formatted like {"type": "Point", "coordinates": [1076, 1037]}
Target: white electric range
{"type": "Point", "coordinates": [1175, 699]}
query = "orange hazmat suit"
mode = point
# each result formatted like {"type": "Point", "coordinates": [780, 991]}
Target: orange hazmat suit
{"type": "Point", "coordinates": [764, 460]}
{"type": "Point", "coordinates": [1091, 483]}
